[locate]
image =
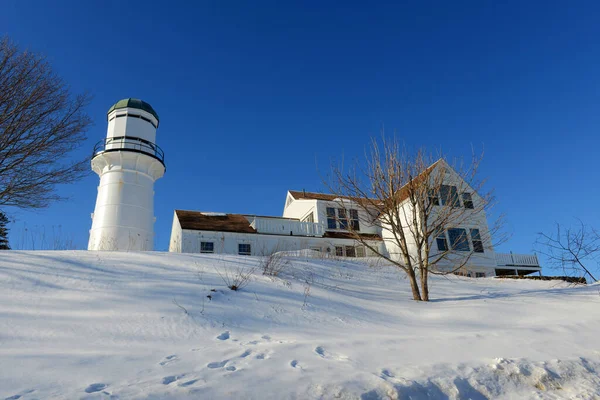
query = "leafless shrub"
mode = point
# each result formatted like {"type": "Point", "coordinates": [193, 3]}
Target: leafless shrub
{"type": "Point", "coordinates": [273, 264]}
{"type": "Point", "coordinates": [308, 282]}
{"type": "Point", "coordinates": [237, 279]}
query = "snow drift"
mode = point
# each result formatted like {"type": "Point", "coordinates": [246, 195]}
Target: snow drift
{"type": "Point", "coordinates": [93, 325]}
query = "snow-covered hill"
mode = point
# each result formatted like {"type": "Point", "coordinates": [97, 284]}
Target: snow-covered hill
{"type": "Point", "coordinates": [140, 325]}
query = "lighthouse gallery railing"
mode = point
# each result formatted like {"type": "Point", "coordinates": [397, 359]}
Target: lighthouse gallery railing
{"type": "Point", "coordinates": [129, 143]}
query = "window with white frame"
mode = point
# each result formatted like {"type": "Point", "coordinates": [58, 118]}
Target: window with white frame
{"type": "Point", "coordinates": [309, 218]}
{"type": "Point", "coordinates": [360, 251]}
{"type": "Point", "coordinates": [244, 249]}
{"type": "Point", "coordinates": [342, 218]}
{"type": "Point", "coordinates": [354, 223]}
{"type": "Point", "coordinates": [331, 222]}
{"type": "Point", "coordinates": [350, 251]}
{"type": "Point", "coordinates": [207, 247]}
{"type": "Point", "coordinates": [449, 196]}
{"type": "Point", "coordinates": [458, 239]}
{"type": "Point", "coordinates": [476, 240]}
{"type": "Point", "coordinates": [339, 251]}
{"type": "Point", "coordinates": [433, 197]}
{"type": "Point", "coordinates": [467, 200]}
{"type": "Point", "coordinates": [442, 243]}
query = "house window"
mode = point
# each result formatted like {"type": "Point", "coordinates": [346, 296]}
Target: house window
{"type": "Point", "coordinates": [479, 274]}
{"type": "Point", "coordinates": [339, 251]}
{"type": "Point", "coordinates": [331, 218]}
{"type": "Point", "coordinates": [350, 251]}
{"type": "Point", "coordinates": [207, 247]}
{"type": "Point", "coordinates": [442, 243]}
{"type": "Point", "coordinates": [477, 242]}
{"type": "Point", "coordinates": [342, 218]}
{"type": "Point", "coordinates": [244, 249]}
{"type": "Point", "coordinates": [449, 196]}
{"type": "Point", "coordinates": [360, 251]}
{"type": "Point", "coordinates": [458, 239]}
{"type": "Point", "coordinates": [467, 200]}
{"type": "Point", "coordinates": [433, 197]}
{"type": "Point", "coordinates": [354, 220]}
{"type": "Point", "coordinates": [309, 218]}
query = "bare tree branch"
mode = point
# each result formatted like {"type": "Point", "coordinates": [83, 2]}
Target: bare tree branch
{"type": "Point", "coordinates": [41, 122]}
{"type": "Point", "coordinates": [572, 250]}
{"type": "Point", "coordinates": [414, 199]}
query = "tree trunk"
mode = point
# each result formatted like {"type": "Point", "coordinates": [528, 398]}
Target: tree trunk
{"type": "Point", "coordinates": [424, 284]}
{"type": "Point", "coordinates": [414, 285]}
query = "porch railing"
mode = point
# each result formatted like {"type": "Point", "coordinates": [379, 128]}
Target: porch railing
{"type": "Point", "coordinates": [517, 260]}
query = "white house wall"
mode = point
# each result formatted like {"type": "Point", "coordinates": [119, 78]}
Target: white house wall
{"type": "Point", "coordinates": [227, 242]}
{"type": "Point", "coordinates": [300, 208]}
{"type": "Point", "coordinates": [176, 236]}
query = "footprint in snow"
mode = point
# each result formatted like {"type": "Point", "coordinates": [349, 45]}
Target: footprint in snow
{"type": "Point", "coordinates": [387, 373]}
{"type": "Point", "coordinates": [95, 387]}
{"type": "Point", "coordinates": [324, 354]}
{"type": "Point", "coordinates": [18, 396]}
{"type": "Point", "coordinates": [189, 383]}
{"type": "Point", "coordinates": [231, 368]}
{"type": "Point", "coordinates": [170, 379]}
{"type": "Point", "coordinates": [246, 354]}
{"type": "Point", "coordinates": [169, 359]}
{"type": "Point", "coordinates": [223, 336]}
{"type": "Point", "coordinates": [295, 364]}
{"type": "Point", "coordinates": [217, 364]}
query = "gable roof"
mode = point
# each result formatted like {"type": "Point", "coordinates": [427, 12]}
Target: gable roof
{"type": "Point", "coordinates": [195, 220]}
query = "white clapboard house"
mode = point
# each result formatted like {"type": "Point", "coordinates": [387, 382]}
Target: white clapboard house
{"type": "Point", "coordinates": [316, 221]}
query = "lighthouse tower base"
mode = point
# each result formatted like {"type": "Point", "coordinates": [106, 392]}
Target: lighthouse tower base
{"type": "Point", "coordinates": [123, 219]}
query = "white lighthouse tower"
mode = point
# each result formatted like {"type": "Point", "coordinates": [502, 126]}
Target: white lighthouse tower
{"type": "Point", "coordinates": [128, 162]}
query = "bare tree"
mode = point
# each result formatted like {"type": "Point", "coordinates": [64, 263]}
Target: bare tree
{"type": "Point", "coordinates": [572, 250]}
{"type": "Point", "coordinates": [427, 210]}
{"type": "Point", "coordinates": [41, 122]}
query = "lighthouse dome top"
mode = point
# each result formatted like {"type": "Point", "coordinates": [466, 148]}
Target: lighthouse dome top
{"type": "Point", "coordinates": [134, 103]}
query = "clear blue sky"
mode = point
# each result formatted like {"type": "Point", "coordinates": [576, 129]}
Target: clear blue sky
{"type": "Point", "coordinates": [252, 95]}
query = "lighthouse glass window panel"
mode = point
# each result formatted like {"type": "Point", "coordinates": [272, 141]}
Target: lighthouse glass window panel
{"type": "Point", "coordinates": [477, 242]}
{"type": "Point", "coordinates": [207, 247]}
{"type": "Point", "coordinates": [331, 223]}
{"type": "Point", "coordinates": [244, 249]}
{"type": "Point", "coordinates": [458, 239]}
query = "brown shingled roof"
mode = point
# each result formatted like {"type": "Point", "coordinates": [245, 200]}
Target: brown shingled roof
{"type": "Point", "coordinates": [198, 221]}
